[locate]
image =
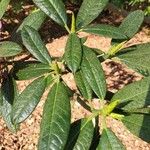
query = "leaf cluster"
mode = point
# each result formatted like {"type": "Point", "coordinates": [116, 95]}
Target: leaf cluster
{"type": "Point", "coordinates": [129, 105]}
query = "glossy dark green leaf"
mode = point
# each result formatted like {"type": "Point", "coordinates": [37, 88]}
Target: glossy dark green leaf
{"type": "Point", "coordinates": [55, 9]}
{"type": "Point", "coordinates": [93, 72]}
{"type": "Point", "coordinates": [27, 101]}
{"type": "Point", "coordinates": [80, 136]}
{"type": "Point", "coordinates": [34, 20]}
{"type": "Point", "coordinates": [137, 58]}
{"type": "Point", "coordinates": [3, 7]}
{"type": "Point", "coordinates": [139, 125]}
{"type": "Point", "coordinates": [105, 30]}
{"type": "Point", "coordinates": [33, 42]}
{"type": "Point", "coordinates": [135, 95]}
{"type": "Point", "coordinates": [56, 119]}
{"type": "Point", "coordinates": [90, 9]}
{"type": "Point", "coordinates": [132, 23]}
{"type": "Point", "coordinates": [8, 49]}
{"type": "Point", "coordinates": [73, 52]}
{"type": "Point", "coordinates": [8, 95]}
{"type": "Point", "coordinates": [29, 70]}
{"type": "Point", "coordinates": [109, 141]}
{"type": "Point", "coordinates": [83, 85]}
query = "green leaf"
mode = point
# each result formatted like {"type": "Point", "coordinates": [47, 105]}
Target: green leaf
{"type": "Point", "coordinates": [109, 141]}
{"type": "Point", "coordinates": [139, 125]}
{"type": "Point", "coordinates": [50, 80]}
{"type": "Point", "coordinates": [8, 93]}
{"type": "Point", "coordinates": [135, 95]}
{"type": "Point", "coordinates": [137, 58]}
{"type": "Point", "coordinates": [83, 85]}
{"type": "Point", "coordinates": [33, 42]}
{"type": "Point", "coordinates": [29, 70]}
{"type": "Point", "coordinates": [132, 23]}
{"type": "Point", "coordinates": [105, 30]}
{"type": "Point", "coordinates": [8, 49]}
{"type": "Point", "coordinates": [80, 136]}
{"type": "Point", "coordinates": [145, 110]}
{"type": "Point", "coordinates": [3, 7]}
{"type": "Point", "coordinates": [118, 3]}
{"type": "Point", "coordinates": [55, 9]}
{"type": "Point", "coordinates": [93, 72]}
{"type": "Point", "coordinates": [34, 20]}
{"type": "Point", "coordinates": [90, 9]}
{"type": "Point", "coordinates": [56, 119]}
{"type": "Point", "coordinates": [73, 52]}
{"type": "Point", "coordinates": [28, 100]}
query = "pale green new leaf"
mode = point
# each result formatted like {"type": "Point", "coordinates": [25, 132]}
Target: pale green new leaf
{"type": "Point", "coordinates": [73, 52]}
{"type": "Point", "coordinates": [33, 42]}
{"type": "Point", "coordinates": [109, 141]}
{"type": "Point", "coordinates": [132, 23]}
{"type": "Point", "coordinates": [8, 49]}
{"type": "Point", "coordinates": [3, 7]}
{"type": "Point", "coordinates": [93, 72]}
{"type": "Point", "coordinates": [105, 30]}
{"type": "Point", "coordinates": [137, 58]}
{"type": "Point", "coordinates": [56, 119]}
{"type": "Point", "coordinates": [138, 124]}
{"type": "Point", "coordinates": [27, 101]}
{"type": "Point", "coordinates": [90, 9]}
{"type": "Point", "coordinates": [135, 95]}
{"type": "Point", "coordinates": [55, 9]}
{"type": "Point", "coordinates": [81, 135]}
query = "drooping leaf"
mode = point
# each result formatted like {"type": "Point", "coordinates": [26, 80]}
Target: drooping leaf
{"type": "Point", "coordinates": [33, 42]}
{"type": "Point", "coordinates": [27, 101]}
{"type": "Point", "coordinates": [93, 72]}
{"type": "Point", "coordinates": [29, 70]}
{"type": "Point", "coordinates": [56, 119]}
{"type": "Point", "coordinates": [105, 30]}
{"type": "Point", "coordinates": [90, 9]}
{"type": "Point", "coordinates": [134, 96]}
{"type": "Point", "coordinates": [55, 9]}
{"type": "Point", "coordinates": [83, 85]}
{"type": "Point", "coordinates": [138, 124]}
{"type": "Point", "coordinates": [34, 20]}
{"type": "Point", "coordinates": [137, 58]}
{"type": "Point", "coordinates": [73, 52]}
{"type": "Point", "coordinates": [8, 93]}
{"type": "Point", "coordinates": [132, 23]}
{"type": "Point", "coordinates": [109, 141]}
{"type": "Point", "coordinates": [80, 136]}
{"type": "Point", "coordinates": [8, 49]}
{"type": "Point", "coordinates": [3, 7]}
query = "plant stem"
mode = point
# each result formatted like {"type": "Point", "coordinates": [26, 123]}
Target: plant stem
{"type": "Point", "coordinates": [67, 28]}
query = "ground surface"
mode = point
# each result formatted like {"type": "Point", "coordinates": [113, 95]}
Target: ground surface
{"type": "Point", "coordinates": [116, 74]}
